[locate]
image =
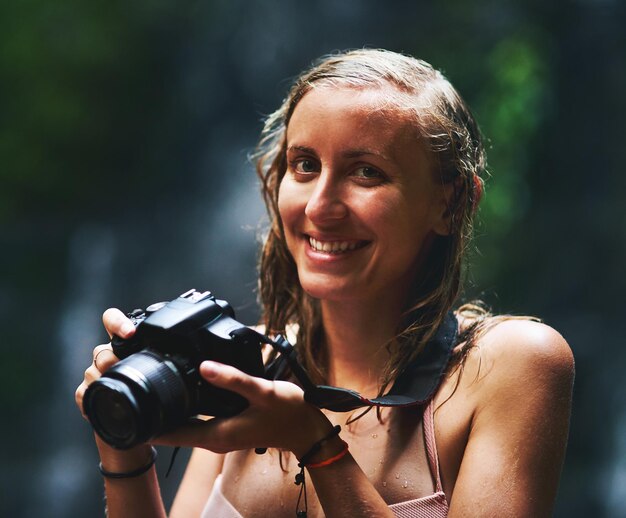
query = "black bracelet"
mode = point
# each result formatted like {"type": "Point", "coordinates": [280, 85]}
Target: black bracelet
{"type": "Point", "coordinates": [318, 446]}
{"type": "Point", "coordinates": [135, 472]}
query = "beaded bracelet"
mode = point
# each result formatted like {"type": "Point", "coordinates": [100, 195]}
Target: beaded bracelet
{"type": "Point", "coordinates": [130, 474]}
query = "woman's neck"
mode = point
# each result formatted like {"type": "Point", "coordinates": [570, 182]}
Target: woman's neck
{"type": "Point", "coordinates": [356, 334]}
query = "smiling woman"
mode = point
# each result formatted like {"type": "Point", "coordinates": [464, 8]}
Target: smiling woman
{"type": "Point", "coordinates": [371, 173]}
{"type": "Point", "coordinates": [357, 176]}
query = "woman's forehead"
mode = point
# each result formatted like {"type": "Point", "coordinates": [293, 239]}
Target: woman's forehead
{"type": "Point", "coordinates": [384, 98]}
{"type": "Point", "coordinates": [348, 124]}
{"type": "Point", "coordinates": [370, 115]}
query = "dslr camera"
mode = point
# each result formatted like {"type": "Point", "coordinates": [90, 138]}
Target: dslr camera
{"type": "Point", "coordinates": [157, 386]}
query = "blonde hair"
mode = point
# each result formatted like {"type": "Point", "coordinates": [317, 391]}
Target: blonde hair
{"type": "Point", "coordinates": [445, 123]}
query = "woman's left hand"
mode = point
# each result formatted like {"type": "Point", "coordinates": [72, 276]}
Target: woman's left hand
{"type": "Point", "coordinates": [277, 416]}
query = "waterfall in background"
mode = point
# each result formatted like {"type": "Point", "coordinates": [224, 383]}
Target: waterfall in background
{"type": "Point", "coordinates": [70, 467]}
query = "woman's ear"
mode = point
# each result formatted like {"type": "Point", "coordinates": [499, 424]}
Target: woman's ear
{"type": "Point", "coordinates": [444, 208]}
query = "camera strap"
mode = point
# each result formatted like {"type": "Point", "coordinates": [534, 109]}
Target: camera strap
{"type": "Point", "coordinates": [415, 385]}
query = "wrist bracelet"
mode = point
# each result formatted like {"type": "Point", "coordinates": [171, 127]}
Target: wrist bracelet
{"type": "Point", "coordinates": [133, 473]}
{"type": "Point", "coordinates": [332, 459]}
{"type": "Point", "coordinates": [305, 459]}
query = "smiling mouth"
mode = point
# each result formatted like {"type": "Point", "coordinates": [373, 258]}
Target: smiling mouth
{"type": "Point", "coordinates": [335, 247]}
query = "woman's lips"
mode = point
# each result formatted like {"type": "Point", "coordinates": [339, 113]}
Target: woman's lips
{"type": "Point", "coordinates": [335, 247]}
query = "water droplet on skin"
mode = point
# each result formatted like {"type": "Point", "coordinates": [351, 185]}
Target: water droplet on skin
{"type": "Point", "coordinates": [381, 461]}
{"type": "Point", "coordinates": [406, 484]}
{"type": "Point", "coordinates": [374, 435]}
{"type": "Point", "coordinates": [397, 475]}
{"type": "Point", "coordinates": [264, 472]}
{"type": "Point", "coordinates": [384, 483]}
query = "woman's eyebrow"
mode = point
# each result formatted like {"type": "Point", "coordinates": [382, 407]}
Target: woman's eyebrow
{"type": "Point", "coordinates": [303, 149]}
{"type": "Point", "coordinates": [349, 153]}
{"type": "Point", "coordinates": [357, 153]}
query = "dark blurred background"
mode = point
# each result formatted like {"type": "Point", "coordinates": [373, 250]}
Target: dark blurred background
{"type": "Point", "coordinates": [124, 134]}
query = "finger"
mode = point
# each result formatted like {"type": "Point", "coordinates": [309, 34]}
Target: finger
{"type": "Point", "coordinates": [78, 397]}
{"type": "Point", "coordinates": [92, 374]}
{"type": "Point", "coordinates": [228, 377]}
{"type": "Point", "coordinates": [104, 358]}
{"type": "Point", "coordinates": [116, 323]}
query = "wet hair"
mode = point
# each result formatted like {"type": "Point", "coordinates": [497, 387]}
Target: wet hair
{"type": "Point", "coordinates": [447, 130]}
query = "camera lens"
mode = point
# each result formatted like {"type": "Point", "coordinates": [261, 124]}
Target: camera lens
{"type": "Point", "coordinates": [139, 398]}
{"type": "Point", "coordinates": [113, 411]}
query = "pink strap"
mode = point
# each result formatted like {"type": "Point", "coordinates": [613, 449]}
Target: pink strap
{"type": "Point", "coordinates": [431, 445]}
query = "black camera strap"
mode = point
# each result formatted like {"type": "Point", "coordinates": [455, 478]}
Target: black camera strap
{"type": "Point", "coordinates": [414, 386]}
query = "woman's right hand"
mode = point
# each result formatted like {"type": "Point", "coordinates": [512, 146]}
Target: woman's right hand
{"type": "Point", "coordinates": [125, 497]}
{"type": "Point", "coordinates": [115, 323]}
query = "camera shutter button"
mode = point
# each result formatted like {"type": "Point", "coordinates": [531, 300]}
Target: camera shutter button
{"type": "Point", "coordinates": [155, 307]}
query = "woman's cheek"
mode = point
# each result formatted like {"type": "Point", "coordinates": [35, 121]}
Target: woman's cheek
{"type": "Point", "coordinates": [283, 198]}
{"type": "Point", "coordinates": [285, 212]}
{"type": "Point", "coordinates": [290, 204]}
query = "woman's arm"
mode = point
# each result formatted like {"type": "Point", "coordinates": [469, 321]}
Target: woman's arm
{"type": "Point", "coordinates": [126, 497]}
{"type": "Point", "coordinates": [279, 417]}
{"type": "Point", "coordinates": [130, 497]}
{"type": "Point", "coordinates": [195, 488]}
{"type": "Point", "coordinates": [519, 383]}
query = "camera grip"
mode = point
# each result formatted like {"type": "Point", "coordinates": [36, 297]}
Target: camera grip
{"type": "Point", "coordinates": [124, 348]}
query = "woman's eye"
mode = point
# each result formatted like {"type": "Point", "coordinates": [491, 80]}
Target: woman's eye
{"type": "Point", "coordinates": [304, 165]}
{"type": "Point", "coordinates": [368, 173]}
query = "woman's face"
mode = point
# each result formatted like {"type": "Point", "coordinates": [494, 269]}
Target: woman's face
{"type": "Point", "coordinates": [359, 202]}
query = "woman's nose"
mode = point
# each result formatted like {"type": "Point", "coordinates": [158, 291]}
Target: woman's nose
{"type": "Point", "coordinates": [326, 202]}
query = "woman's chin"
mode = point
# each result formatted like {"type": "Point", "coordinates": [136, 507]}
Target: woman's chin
{"type": "Point", "coordinates": [329, 288]}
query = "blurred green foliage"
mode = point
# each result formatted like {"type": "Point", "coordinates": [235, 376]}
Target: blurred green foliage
{"type": "Point", "coordinates": [511, 106]}
{"type": "Point", "coordinates": [507, 79]}
{"type": "Point", "coordinates": [86, 99]}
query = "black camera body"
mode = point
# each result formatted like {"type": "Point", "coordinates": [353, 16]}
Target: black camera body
{"type": "Point", "coordinates": [157, 386]}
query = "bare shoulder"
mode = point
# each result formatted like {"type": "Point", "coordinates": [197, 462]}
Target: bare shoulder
{"type": "Point", "coordinates": [522, 345]}
{"type": "Point", "coordinates": [514, 355]}
{"type": "Point", "coordinates": [518, 377]}
{"type": "Point", "coordinates": [518, 356]}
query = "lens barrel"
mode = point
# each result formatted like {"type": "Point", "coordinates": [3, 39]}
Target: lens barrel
{"type": "Point", "coordinates": [136, 400]}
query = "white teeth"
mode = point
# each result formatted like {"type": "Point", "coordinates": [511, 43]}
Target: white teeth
{"type": "Point", "coordinates": [332, 247]}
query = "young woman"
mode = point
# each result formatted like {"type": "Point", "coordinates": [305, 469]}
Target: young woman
{"type": "Point", "coordinates": [371, 173]}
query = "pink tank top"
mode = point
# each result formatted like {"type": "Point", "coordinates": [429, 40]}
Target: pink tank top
{"type": "Point", "coordinates": [431, 506]}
